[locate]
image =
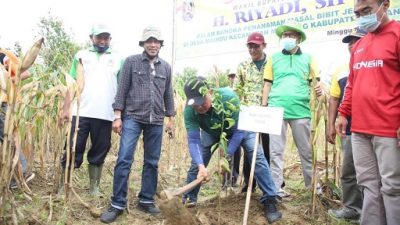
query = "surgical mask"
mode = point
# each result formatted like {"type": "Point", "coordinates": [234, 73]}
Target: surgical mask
{"type": "Point", "coordinates": [370, 22]}
{"type": "Point", "coordinates": [101, 49]}
{"type": "Point", "coordinates": [289, 43]}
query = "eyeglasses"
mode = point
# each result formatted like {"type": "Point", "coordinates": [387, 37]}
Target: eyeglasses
{"type": "Point", "coordinates": [290, 35]}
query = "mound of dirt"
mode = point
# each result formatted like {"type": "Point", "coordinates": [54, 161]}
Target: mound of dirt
{"type": "Point", "coordinates": [176, 213]}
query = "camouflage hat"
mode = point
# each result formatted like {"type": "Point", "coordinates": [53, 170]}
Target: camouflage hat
{"type": "Point", "coordinates": [150, 32]}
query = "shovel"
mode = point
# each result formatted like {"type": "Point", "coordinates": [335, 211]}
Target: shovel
{"type": "Point", "coordinates": [171, 193]}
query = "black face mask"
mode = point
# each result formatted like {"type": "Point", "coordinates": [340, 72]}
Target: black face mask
{"type": "Point", "coordinates": [101, 49]}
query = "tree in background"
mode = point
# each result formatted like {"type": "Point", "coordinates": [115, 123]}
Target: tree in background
{"type": "Point", "coordinates": [59, 46]}
{"type": "Point", "coordinates": [180, 80]}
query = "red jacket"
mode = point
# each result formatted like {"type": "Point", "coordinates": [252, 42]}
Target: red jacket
{"type": "Point", "coordinates": [372, 95]}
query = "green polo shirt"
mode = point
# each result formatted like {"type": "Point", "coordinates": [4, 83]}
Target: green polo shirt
{"type": "Point", "coordinates": [196, 121]}
{"type": "Point", "coordinates": [290, 75]}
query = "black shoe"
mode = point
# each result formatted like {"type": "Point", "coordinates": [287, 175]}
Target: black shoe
{"type": "Point", "coordinates": [271, 211]}
{"type": "Point", "coordinates": [148, 208]}
{"type": "Point", "coordinates": [110, 215]}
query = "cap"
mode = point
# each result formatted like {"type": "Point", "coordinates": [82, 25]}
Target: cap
{"type": "Point", "coordinates": [193, 90]}
{"type": "Point", "coordinates": [256, 38]}
{"type": "Point", "coordinates": [150, 32]}
{"type": "Point", "coordinates": [99, 29]}
{"type": "Point", "coordinates": [291, 26]}
{"type": "Point", "coordinates": [356, 33]}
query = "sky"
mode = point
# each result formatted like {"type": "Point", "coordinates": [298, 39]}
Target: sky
{"type": "Point", "coordinates": [127, 19]}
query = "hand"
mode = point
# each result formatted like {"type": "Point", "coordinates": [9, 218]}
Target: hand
{"type": "Point", "coordinates": [170, 128]}
{"type": "Point", "coordinates": [341, 126]}
{"type": "Point", "coordinates": [64, 117]}
{"type": "Point", "coordinates": [331, 134]}
{"type": "Point", "coordinates": [318, 90]}
{"type": "Point", "coordinates": [203, 173]}
{"type": "Point", "coordinates": [117, 126]}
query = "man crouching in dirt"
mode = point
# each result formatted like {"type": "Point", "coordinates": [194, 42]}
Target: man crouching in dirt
{"type": "Point", "coordinates": [200, 119]}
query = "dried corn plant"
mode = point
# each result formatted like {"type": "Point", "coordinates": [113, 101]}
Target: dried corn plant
{"type": "Point", "coordinates": [17, 132]}
{"type": "Point", "coordinates": [31, 128]}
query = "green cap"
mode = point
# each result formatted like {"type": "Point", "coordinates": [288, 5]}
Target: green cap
{"type": "Point", "coordinates": [99, 29]}
{"type": "Point", "coordinates": [291, 26]}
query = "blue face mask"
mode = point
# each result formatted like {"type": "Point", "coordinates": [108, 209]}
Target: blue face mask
{"type": "Point", "coordinates": [101, 49]}
{"type": "Point", "coordinates": [370, 22]}
{"type": "Point", "coordinates": [289, 43]}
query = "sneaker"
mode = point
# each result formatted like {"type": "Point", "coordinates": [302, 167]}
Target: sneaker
{"type": "Point", "coordinates": [283, 194]}
{"type": "Point", "coordinates": [150, 208]}
{"type": "Point", "coordinates": [13, 184]}
{"type": "Point", "coordinates": [189, 203]}
{"type": "Point", "coordinates": [345, 213]}
{"type": "Point", "coordinates": [110, 215]}
{"type": "Point", "coordinates": [28, 177]}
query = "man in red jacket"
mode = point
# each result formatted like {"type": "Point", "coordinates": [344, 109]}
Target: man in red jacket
{"type": "Point", "coordinates": [372, 99]}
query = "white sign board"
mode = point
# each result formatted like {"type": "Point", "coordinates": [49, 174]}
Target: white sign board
{"type": "Point", "coordinates": [261, 119]}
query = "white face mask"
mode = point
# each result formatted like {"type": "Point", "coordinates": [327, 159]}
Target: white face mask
{"type": "Point", "coordinates": [288, 43]}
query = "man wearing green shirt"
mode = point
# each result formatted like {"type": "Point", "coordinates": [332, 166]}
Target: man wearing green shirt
{"type": "Point", "coordinates": [288, 75]}
{"type": "Point", "coordinates": [206, 110]}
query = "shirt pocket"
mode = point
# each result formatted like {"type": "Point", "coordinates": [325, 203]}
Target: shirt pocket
{"type": "Point", "coordinates": [159, 81]}
{"type": "Point", "coordinates": [140, 77]}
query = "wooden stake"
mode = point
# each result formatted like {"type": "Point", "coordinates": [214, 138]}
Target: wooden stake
{"type": "Point", "coordinates": [250, 185]}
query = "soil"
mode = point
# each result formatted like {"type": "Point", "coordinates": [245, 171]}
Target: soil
{"type": "Point", "coordinates": [43, 206]}
{"type": "Point", "coordinates": [226, 210]}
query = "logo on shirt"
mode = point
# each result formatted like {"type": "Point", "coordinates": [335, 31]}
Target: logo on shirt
{"type": "Point", "coordinates": [368, 64]}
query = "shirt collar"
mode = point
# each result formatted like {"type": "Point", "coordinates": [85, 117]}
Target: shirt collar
{"type": "Point", "coordinates": [298, 52]}
{"type": "Point", "coordinates": [145, 58]}
{"type": "Point", "coordinates": [92, 49]}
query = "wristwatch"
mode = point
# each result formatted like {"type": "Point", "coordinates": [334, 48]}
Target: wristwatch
{"type": "Point", "coordinates": [117, 117]}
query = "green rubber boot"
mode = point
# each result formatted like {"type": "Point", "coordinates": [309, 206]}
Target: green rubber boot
{"type": "Point", "coordinates": [94, 176]}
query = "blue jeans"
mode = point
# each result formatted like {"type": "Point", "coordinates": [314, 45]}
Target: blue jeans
{"type": "Point", "coordinates": [152, 137]}
{"type": "Point", "coordinates": [262, 171]}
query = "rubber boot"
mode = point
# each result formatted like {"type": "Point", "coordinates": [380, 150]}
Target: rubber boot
{"type": "Point", "coordinates": [94, 176]}
{"type": "Point", "coordinates": [271, 210]}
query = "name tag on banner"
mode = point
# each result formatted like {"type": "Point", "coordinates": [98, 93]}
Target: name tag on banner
{"type": "Point", "coordinates": [261, 119]}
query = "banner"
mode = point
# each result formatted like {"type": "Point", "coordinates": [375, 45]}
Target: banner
{"type": "Point", "coordinates": [217, 27]}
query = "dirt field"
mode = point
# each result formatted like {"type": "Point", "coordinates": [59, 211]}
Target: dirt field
{"type": "Point", "coordinates": [215, 206]}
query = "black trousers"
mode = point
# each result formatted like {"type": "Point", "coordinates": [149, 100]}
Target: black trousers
{"type": "Point", "coordinates": [100, 137]}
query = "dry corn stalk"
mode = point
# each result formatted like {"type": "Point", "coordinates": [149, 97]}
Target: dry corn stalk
{"type": "Point", "coordinates": [31, 55]}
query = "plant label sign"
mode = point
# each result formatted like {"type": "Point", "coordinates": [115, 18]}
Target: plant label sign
{"type": "Point", "coordinates": [261, 119]}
